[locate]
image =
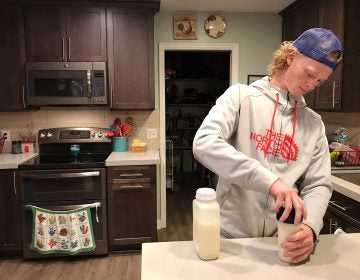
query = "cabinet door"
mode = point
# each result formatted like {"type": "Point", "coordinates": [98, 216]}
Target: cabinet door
{"type": "Point", "coordinates": [131, 205]}
{"type": "Point", "coordinates": [331, 16]}
{"type": "Point", "coordinates": [10, 233]}
{"type": "Point", "coordinates": [291, 25]}
{"type": "Point", "coordinates": [86, 34]}
{"type": "Point", "coordinates": [45, 33]}
{"type": "Point", "coordinates": [12, 58]}
{"type": "Point", "coordinates": [131, 58]}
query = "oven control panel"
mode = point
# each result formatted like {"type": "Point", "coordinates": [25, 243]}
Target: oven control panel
{"type": "Point", "coordinates": [73, 134]}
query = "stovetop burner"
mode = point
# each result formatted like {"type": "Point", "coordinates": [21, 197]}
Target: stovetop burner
{"type": "Point", "coordinates": [55, 152]}
{"type": "Point", "coordinates": [65, 161]}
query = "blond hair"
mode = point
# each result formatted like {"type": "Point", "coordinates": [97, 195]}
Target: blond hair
{"type": "Point", "coordinates": [279, 61]}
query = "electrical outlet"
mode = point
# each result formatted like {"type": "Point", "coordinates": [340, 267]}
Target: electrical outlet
{"type": "Point", "coordinates": [151, 133]}
{"type": "Point", "coordinates": [8, 138]}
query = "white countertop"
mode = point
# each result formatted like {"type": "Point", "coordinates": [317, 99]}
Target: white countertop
{"type": "Point", "coordinates": [11, 161]}
{"type": "Point", "coordinates": [128, 158]}
{"type": "Point", "coordinates": [346, 188]}
{"type": "Point", "coordinates": [336, 257]}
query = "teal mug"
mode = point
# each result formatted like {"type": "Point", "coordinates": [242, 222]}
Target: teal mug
{"type": "Point", "coordinates": [120, 144]}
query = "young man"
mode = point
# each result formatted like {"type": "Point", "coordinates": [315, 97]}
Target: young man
{"type": "Point", "coordinates": [269, 150]}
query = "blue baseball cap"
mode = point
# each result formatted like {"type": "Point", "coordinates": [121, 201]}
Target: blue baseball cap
{"type": "Point", "coordinates": [319, 44]}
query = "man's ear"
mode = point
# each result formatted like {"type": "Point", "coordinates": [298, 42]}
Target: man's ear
{"type": "Point", "coordinates": [290, 56]}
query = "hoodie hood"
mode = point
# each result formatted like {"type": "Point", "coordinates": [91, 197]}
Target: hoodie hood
{"type": "Point", "coordinates": [285, 99]}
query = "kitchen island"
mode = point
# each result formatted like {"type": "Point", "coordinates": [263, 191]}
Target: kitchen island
{"type": "Point", "coordinates": [336, 257]}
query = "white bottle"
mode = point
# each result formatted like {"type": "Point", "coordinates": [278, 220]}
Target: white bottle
{"type": "Point", "coordinates": [206, 224]}
{"type": "Point", "coordinates": [284, 229]}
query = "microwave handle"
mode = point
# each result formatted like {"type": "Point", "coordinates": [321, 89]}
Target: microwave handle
{"type": "Point", "coordinates": [88, 76]}
{"type": "Point", "coordinates": [23, 96]}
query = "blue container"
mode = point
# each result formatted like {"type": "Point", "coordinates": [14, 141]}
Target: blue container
{"type": "Point", "coordinates": [120, 144]}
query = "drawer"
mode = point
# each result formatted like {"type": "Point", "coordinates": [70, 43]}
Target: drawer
{"type": "Point", "coordinates": [131, 174]}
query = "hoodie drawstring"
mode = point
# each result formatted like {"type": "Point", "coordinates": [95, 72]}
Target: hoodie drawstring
{"type": "Point", "coordinates": [294, 127]}
{"type": "Point", "coordinates": [272, 123]}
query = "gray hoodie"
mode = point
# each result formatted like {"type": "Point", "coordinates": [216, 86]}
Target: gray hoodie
{"type": "Point", "coordinates": [254, 135]}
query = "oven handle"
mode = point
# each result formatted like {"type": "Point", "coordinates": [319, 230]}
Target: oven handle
{"type": "Point", "coordinates": [62, 175]}
{"type": "Point", "coordinates": [67, 207]}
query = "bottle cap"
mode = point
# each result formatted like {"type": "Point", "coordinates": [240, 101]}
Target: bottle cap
{"type": "Point", "coordinates": [290, 219]}
{"type": "Point", "coordinates": [205, 194]}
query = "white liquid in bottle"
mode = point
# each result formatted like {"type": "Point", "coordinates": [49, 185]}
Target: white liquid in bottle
{"type": "Point", "coordinates": [206, 224]}
{"type": "Point", "coordinates": [284, 229]}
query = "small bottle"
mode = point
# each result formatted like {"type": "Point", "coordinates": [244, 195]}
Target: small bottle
{"type": "Point", "coordinates": [284, 229]}
{"type": "Point", "coordinates": [206, 224]}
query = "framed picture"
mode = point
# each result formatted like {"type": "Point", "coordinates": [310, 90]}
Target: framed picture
{"type": "Point", "coordinates": [184, 27]}
{"type": "Point", "coordinates": [253, 78]}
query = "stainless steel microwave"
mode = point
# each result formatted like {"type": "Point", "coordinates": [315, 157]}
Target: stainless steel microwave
{"type": "Point", "coordinates": [66, 83]}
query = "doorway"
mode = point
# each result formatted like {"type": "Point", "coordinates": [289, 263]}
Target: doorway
{"type": "Point", "coordinates": [188, 94]}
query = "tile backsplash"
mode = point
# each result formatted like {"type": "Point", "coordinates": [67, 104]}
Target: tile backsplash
{"type": "Point", "coordinates": [19, 122]}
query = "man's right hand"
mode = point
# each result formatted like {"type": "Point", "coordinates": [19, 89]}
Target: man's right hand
{"type": "Point", "coordinates": [287, 197]}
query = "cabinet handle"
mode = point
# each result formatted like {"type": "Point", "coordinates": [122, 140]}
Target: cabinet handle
{"type": "Point", "coordinates": [333, 94]}
{"type": "Point", "coordinates": [14, 178]}
{"type": "Point", "coordinates": [69, 49]}
{"type": "Point", "coordinates": [63, 48]}
{"type": "Point", "coordinates": [332, 203]}
{"type": "Point", "coordinates": [111, 96]}
{"type": "Point", "coordinates": [331, 226]}
{"type": "Point", "coordinates": [131, 186]}
{"type": "Point", "coordinates": [131, 175]}
{"type": "Point", "coordinates": [23, 96]}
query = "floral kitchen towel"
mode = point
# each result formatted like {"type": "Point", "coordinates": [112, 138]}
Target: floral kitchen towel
{"type": "Point", "coordinates": [68, 232]}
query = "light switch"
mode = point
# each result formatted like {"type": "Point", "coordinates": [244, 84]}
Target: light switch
{"type": "Point", "coordinates": [151, 133]}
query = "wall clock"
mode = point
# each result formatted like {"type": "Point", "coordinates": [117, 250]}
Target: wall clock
{"type": "Point", "coordinates": [215, 26]}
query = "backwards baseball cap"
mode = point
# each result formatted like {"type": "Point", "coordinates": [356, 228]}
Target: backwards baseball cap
{"type": "Point", "coordinates": [322, 45]}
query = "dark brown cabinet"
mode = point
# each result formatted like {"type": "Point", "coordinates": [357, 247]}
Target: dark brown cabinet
{"type": "Point", "coordinates": [10, 233]}
{"type": "Point", "coordinates": [131, 204]}
{"type": "Point", "coordinates": [58, 33]}
{"type": "Point", "coordinates": [339, 91]}
{"type": "Point", "coordinates": [130, 41]}
{"type": "Point", "coordinates": [12, 57]}
{"type": "Point", "coordinates": [342, 213]}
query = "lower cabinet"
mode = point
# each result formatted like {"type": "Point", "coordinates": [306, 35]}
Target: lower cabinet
{"type": "Point", "coordinates": [342, 214]}
{"type": "Point", "coordinates": [10, 229]}
{"type": "Point", "coordinates": [131, 194]}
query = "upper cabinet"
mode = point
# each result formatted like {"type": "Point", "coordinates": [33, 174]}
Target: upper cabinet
{"type": "Point", "coordinates": [339, 91]}
{"type": "Point", "coordinates": [131, 58]}
{"type": "Point", "coordinates": [57, 33]}
{"type": "Point", "coordinates": [12, 57]}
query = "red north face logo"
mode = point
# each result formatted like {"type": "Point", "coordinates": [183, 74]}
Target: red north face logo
{"type": "Point", "coordinates": [276, 144]}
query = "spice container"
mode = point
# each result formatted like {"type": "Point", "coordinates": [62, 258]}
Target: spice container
{"type": "Point", "coordinates": [16, 147]}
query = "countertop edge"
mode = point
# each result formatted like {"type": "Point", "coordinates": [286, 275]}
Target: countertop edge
{"type": "Point", "coordinates": [346, 188]}
{"type": "Point", "coordinates": [149, 157]}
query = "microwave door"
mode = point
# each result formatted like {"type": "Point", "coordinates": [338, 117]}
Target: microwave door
{"type": "Point", "coordinates": [58, 87]}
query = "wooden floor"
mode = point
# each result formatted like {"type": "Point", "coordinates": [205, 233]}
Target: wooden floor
{"type": "Point", "coordinates": [119, 266]}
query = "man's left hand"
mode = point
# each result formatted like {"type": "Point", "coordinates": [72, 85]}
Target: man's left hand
{"type": "Point", "coordinates": [299, 246]}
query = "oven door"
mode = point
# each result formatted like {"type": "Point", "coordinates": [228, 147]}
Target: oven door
{"type": "Point", "coordinates": [99, 222]}
{"type": "Point", "coordinates": [64, 189]}
{"type": "Point", "coordinates": [63, 184]}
